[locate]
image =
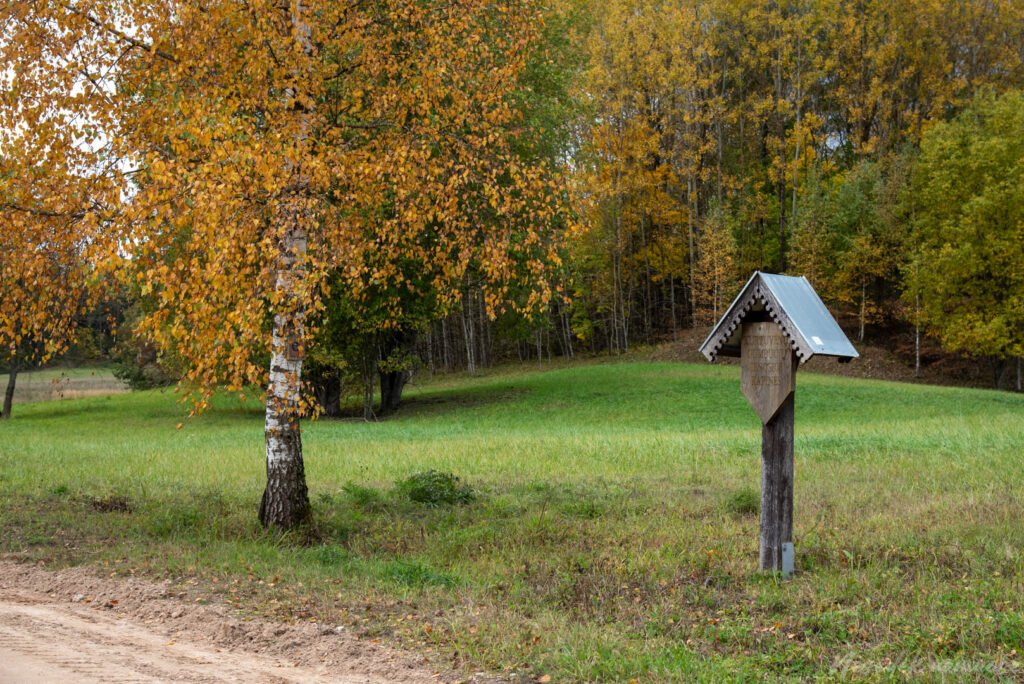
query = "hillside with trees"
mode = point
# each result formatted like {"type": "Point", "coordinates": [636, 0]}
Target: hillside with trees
{"type": "Point", "coordinates": [717, 138]}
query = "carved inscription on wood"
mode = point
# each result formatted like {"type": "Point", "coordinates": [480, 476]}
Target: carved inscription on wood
{"type": "Point", "coordinates": [767, 369]}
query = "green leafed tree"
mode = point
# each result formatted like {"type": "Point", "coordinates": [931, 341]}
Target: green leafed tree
{"type": "Point", "coordinates": [968, 204]}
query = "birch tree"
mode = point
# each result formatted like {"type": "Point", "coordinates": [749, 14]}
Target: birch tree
{"type": "Point", "coordinates": [259, 146]}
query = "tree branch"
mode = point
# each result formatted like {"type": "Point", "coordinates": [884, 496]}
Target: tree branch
{"type": "Point", "coordinates": [121, 35]}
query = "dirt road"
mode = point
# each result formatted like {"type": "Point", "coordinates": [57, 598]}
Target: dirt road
{"type": "Point", "coordinates": [74, 626]}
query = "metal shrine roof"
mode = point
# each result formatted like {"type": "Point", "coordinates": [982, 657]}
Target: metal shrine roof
{"type": "Point", "coordinates": [790, 302]}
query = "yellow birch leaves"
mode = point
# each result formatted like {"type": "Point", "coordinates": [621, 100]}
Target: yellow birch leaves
{"type": "Point", "coordinates": [195, 111]}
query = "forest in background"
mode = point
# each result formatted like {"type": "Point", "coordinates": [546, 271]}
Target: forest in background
{"type": "Point", "coordinates": [874, 147]}
{"type": "Point", "coordinates": [673, 148]}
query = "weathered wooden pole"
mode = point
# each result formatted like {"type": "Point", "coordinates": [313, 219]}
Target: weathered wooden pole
{"type": "Point", "coordinates": [777, 489]}
{"type": "Point", "coordinates": [768, 380]}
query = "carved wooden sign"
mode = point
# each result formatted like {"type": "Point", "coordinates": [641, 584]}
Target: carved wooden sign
{"type": "Point", "coordinates": [767, 370]}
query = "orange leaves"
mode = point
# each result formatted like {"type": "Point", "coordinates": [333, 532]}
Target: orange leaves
{"type": "Point", "coordinates": [389, 136]}
{"type": "Point", "coordinates": [47, 225]}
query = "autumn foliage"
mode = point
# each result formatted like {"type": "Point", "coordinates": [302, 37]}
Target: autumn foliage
{"type": "Point", "coordinates": [791, 124]}
{"type": "Point", "coordinates": [247, 150]}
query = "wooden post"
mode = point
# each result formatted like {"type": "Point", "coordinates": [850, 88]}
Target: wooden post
{"type": "Point", "coordinates": [768, 379]}
{"type": "Point", "coordinates": [777, 487]}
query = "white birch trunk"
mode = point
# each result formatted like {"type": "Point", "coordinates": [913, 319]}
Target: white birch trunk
{"type": "Point", "coordinates": [285, 501]}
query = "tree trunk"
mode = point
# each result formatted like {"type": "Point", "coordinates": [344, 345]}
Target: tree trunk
{"type": "Point", "coordinates": [917, 335]}
{"type": "Point", "coordinates": [672, 304]}
{"type": "Point", "coordinates": [330, 395]}
{"type": "Point", "coordinates": [718, 126]}
{"type": "Point", "coordinates": [12, 380]}
{"type": "Point", "coordinates": [396, 347]}
{"type": "Point", "coordinates": [482, 356]}
{"type": "Point", "coordinates": [799, 134]}
{"type": "Point", "coordinates": [782, 220]}
{"type": "Point", "coordinates": [691, 246]}
{"type": "Point", "coordinates": [367, 376]}
{"type": "Point", "coordinates": [467, 335]}
{"type": "Point", "coordinates": [391, 385]}
{"type": "Point", "coordinates": [777, 486]}
{"type": "Point", "coordinates": [285, 501]}
{"type": "Point", "coordinates": [863, 311]}
{"type": "Point", "coordinates": [644, 221]}
{"type": "Point", "coordinates": [445, 353]}
{"type": "Point", "coordinates": [430, 347]}
{"type": "Point", "coordinates": [567, 323]}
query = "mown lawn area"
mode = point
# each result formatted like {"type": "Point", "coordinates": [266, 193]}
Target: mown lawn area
{"type": "Point", "coordinates": [64, 383]}
{"type": "Point", "coordinates": [612, 531]}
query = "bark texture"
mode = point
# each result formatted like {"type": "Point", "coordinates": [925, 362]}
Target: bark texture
{"type": "Point", "coordinates": [285, 501]}
{"type": "Point", "coordinates": [777, 485]}
{"type": "Point", "coordinates": [12, 380]}
{"type": "Point", "coordinates": [395, 348]}
{"type": "Point", "coordinates": [328, 394]}
{"type": "Point", "coordinates": [391, 386]}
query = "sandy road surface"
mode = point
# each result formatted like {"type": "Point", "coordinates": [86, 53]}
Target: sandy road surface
{"type": "Point", "coordinates": [48, 642]}
{"type": "Point", "coordinates": [67, 627]}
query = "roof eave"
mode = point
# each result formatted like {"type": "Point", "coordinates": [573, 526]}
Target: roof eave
{"type": "Point", "coordinates": [711, 351]}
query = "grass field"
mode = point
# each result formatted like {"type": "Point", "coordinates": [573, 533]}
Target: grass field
{"type": "Point", "coordinates": [613, 532]}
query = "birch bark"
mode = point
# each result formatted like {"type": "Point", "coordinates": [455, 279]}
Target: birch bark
{"type": "Point", "coordinates": [285, 501]}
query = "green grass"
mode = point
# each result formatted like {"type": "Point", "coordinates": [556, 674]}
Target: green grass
{"type": "Point", "coordinates": [59, 383]}
{"type": "Point", "coordinates": [611, 533]}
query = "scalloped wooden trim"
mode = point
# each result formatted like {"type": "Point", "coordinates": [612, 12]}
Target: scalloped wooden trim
{"type": "Point", "coordinates": [759, 294]}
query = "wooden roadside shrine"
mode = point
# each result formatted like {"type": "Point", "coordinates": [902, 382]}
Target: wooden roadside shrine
{"type": "Point", "coordinates": [775, 324]}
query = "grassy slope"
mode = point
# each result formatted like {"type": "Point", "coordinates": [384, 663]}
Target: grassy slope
{"type": "Point", "coordinates": [612, 537]}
